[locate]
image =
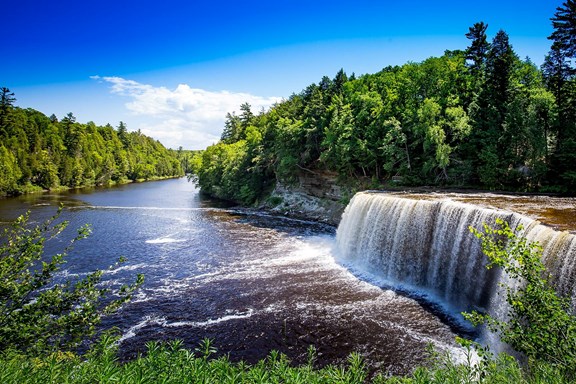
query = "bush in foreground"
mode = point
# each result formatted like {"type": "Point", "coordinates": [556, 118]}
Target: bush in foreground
{"type": "Point", "coordinates": [38, 314]}
{"type": "Point", "coordinates": [539, 323]}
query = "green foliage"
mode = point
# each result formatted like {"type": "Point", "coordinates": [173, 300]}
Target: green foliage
{"type": "Point", "coordinates": [7, 100]}
{"type": "Point", "coordinates": [560, 78]}
{"type": "Point", "coordinates": [539, 323]}
{"type": "Point", "coordinates": [168, 363]}
{"type": "Point", "coordinates": [236, 170]}
{"type": "Point", "coordinates": [478, 49]}
{"type": "Point", "coordinates": [171, 363]}
{"type": "Point", "coordinates": [38, 151]}
{"type": "Point", "coordinates": [38, 314]}
{"type": "Point", "coordinates": [564, 23]}
{"type": "Point", "coordinates": [9, 170]}
{"type": "Point", "coordinates": [477, 118]}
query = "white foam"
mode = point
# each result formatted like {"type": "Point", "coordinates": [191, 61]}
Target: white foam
{"type": "Point", "coordinates": [161, 321]}
{"type": "Point", "coordinates": [209, 322]}
{"type": "Point", "coordinates": [125, 268]}
{"type": "Point", "coordinates": [164, 240]}
{"type": "Point", "coordinates": [140, 297]}
{"type": "Point", "coordinates": [131, 332]}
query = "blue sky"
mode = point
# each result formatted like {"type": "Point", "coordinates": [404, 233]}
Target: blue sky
{"type": "Point", "coordinates": [173, 68]}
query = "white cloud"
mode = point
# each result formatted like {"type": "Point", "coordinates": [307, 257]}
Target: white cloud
{"type": "Point", "coordinates": [188, 117]}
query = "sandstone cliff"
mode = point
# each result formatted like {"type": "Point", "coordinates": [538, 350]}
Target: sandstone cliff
{"type": "Point", "coordinates": [315, 196]}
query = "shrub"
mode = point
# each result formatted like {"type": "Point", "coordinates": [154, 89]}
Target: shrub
{"type": "Point", "coordinates": [539, 323]}
{"type": "Point", "coordinates": [36, 313]}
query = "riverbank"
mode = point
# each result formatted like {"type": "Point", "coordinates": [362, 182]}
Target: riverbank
{"type": "Point", "coordinates": [298, 203]}
{"type": "Point", "coordinates": [34, 189]}
{"type": "Point", "coordinates": [171, 363]}
{"type": "Point", "coordinates": [314, 196]}
{"type": "Point", "coordinates": [321, 197]}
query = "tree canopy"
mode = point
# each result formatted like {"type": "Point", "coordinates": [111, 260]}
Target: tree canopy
{"type": "Point", "coordinates": [480, 117]}
{"type": "Point", "coordinates": [40, 152]}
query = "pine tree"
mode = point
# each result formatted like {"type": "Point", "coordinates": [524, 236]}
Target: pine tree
{"type": "Point", "coordinates": [246, 116]}
{"type": "Point", "coordinates": [564, 23]}
{"type": "Point", "coordinates": [489, 110]}
{"type": "Point", "coordinates": [559, 73]}
{"type": "Point", "coordinates": [478, 48]}
{"type": "Point", "coordinates": [7, 100]}
{"type": "Point", "coordinates": [232, 127]}
{"type": "Point", "coordinates": [499, 67]}
{"type": "Point", "coordinates": [339, 81]}
{"type": "Point", "coordinates": [123, 134]}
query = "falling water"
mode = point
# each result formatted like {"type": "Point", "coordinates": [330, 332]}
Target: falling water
{"type": "Point", "coordinates": [425, 246]}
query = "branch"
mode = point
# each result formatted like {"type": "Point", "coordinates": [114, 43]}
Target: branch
{"type": "Point", "coordinates": [306, 169]}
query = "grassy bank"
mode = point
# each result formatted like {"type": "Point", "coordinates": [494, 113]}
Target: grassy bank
{"type": "Point", "coordinates": [170, 363]}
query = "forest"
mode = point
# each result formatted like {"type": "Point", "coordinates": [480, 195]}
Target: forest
{"type": "Point", "coordinates": [480, 117]}
{"type": "Point", "coordinates": [39, 152]}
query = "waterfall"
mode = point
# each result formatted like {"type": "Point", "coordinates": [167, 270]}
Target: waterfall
{"type": "Point", "coordinates": [425, 246]}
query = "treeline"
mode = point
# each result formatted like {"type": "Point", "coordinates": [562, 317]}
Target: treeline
{"type": "Point", "coordinates": [479, 117]}
{"type": "Point", "coordinates": [40, 152]}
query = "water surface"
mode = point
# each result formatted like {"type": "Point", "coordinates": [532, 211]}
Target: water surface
{"type": "Point", "coordinates": [250, 281]}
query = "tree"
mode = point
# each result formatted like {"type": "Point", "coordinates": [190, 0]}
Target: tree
{"type": "Point", "coordinates": [395, 148]}
{"type": "Point", "coordinates": [499, 66]}
{"type": "Point", "coordinates": [342, 146]}
{"type": "Point", "coordinates": [564, 24]}
{"type": "Point", "coordinates": [436, 150]}
{"type": "Point", "coordinates": [45, 172]}
{"type": "Point", "coordinates": [232, 128]}
{"type": "Point", "coordinates": [489, 110]}
{"type": "Point", "coordinates": [478, 48]}
{"type": "Point", "coordinates": [123, 134]}
{"type": "Point", "coordinates": [7, 100]}
{"type": "Point", "coordinates": [10, 172]}
{"type": "Point", "coordinates": [479, 117]}
{"type": "Point", "coordinates": [40, 151]}
{"type": "Point", "coordinates": [538, 322]}
{"type": "Point", "coordinates": [71, 135]}
{"type": "Point", "coordinates": [246, 118]}
{"type": "Point", "coordinates": [559, 73]}
{"type": "Point", "coordinates": [38, 314]}
{"type": "Point", "coordinates": [339, 80]}
{"type": "Point", "coordinates": [315, 118]}
{"type": "Point", "coordinates": [287, 148]}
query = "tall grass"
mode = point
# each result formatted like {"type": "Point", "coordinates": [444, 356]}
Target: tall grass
{"type": "Point", "coordinates": [171, 363]}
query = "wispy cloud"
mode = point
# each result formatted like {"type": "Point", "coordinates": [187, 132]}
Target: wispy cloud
{"type": "Point", "coordinates": [188, 117]}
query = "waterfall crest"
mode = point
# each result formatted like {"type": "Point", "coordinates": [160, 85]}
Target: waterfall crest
{"type": "Point", "coordinates": [426, 246]}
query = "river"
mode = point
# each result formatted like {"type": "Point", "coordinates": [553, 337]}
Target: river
{"type": "Point", "coordinates": [250, 281]}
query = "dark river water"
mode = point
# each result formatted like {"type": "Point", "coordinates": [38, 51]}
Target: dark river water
{"type": "Point", "coordinates": [250, 281]}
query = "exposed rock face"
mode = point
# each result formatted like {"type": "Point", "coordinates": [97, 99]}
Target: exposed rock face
{"type": "Point", "coordinates": [315, 197]}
